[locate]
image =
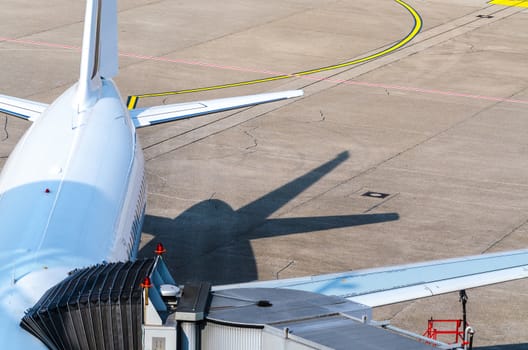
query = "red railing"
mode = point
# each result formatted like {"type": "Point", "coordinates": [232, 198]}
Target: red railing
{"type": "Point", "coordinates": [433, 330]}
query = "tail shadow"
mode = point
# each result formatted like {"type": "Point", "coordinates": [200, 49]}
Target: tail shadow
{"type": "Point", "coordinates": [211, 241]}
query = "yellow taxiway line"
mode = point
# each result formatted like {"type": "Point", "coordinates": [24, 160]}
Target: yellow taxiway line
{"type": "Point", "coordinates": [133, 100]}
{"type": "Point", "coordinates": [514, 3]}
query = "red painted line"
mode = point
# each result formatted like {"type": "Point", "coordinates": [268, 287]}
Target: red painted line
{"type": "Point", "coordinates": [197, 63]}
{"type": "Point", "coordinates": [421, 90]}
{"type": "Point", "coordinates": [39, 43]}
{"type": "Point", "coordinates": [268, 72]}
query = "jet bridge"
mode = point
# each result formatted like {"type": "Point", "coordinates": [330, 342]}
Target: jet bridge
{"type": "Point", "coordinates": [138, 305]}
{"type": "Point", "coordinates": [99, 307]}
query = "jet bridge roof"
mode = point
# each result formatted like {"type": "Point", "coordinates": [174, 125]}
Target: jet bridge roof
{"type": "Point", "coordinates": [321, 321]}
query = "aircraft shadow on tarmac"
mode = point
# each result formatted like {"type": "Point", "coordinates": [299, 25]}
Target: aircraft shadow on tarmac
{"type": "Point", "coordinates": [211, 242]}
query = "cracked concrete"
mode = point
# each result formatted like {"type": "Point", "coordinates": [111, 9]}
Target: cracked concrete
{"type": "Point", "coordinates": [253, 139]}
{"type": "Point", "coordinates": [6, 132]}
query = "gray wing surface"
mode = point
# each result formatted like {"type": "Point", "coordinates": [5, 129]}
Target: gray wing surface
{"type": "Point", "coordinates": [388, 285]}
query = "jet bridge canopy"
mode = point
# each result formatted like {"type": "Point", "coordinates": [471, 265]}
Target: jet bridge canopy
{"type": "Point", "coordinates": [99, 307]}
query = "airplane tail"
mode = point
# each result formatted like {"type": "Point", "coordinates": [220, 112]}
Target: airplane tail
{"type": "Point", "coordinates": [99, 57]}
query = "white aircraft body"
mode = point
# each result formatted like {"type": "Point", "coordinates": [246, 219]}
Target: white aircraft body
{"type": "Point", "coordinates": [72, 194]}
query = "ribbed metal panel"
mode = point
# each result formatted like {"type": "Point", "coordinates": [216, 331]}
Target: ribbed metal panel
{"type": "Point", "coordinates": [94, 308]}
{"type": "Point", "coordinates": [221, 337]}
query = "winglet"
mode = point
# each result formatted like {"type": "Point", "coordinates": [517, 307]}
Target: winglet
{"type": "Point", "coordinates": [99, 58]}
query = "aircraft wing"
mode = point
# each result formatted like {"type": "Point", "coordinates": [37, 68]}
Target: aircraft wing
{"type": "Point", "coordinates": [21, 108]}
{"type": "Point", "coordinates": [388, 285]}
{"type": "Point", "coordinates": [162, 114]}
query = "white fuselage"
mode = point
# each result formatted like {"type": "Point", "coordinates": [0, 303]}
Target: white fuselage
{"type": "Point", "coordinates": [72, 194]}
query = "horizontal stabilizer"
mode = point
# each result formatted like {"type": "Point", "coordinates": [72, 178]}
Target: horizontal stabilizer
{"type": "Point", "coordinates": [161, 114]}
{"type": "Point", "coordinates": [21, 108]}
{"type": "Point", "coordinates": [388, 285]}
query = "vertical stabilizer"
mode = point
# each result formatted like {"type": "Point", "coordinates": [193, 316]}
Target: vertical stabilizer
{"type": "Point", "coordinates": [99, 59]}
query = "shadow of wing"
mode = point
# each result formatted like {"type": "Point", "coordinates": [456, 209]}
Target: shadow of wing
{"type": "Point", "coordinates": [266, 205]}
{"type": "Point", "coordinates": [286, 226]}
